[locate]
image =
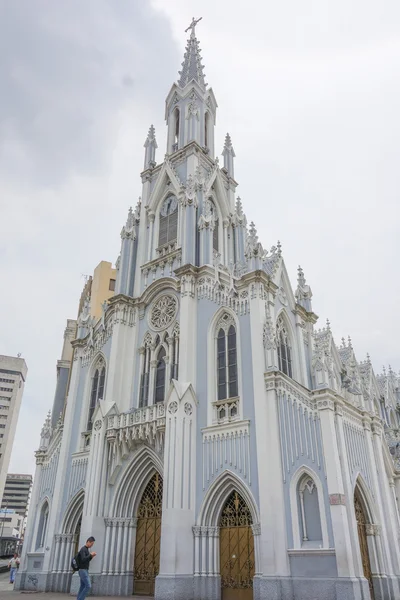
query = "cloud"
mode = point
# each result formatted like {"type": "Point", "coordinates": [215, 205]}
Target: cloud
{"type": "Point", "coordinates": [309, 93]}
{"type": "Point", "coordinates": [81, 83]}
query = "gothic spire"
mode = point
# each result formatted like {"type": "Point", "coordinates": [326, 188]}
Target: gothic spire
{"type": "Point", "coordinates": [303, 292]}
{"type": "Point", "coordinates": [191, 66]}
{"type": "Point", "coordinates": [150, 146]}
{"type": "Point", "coordinates": [229, 154]}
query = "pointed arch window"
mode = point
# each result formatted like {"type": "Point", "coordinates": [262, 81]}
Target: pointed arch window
{"type": "Point", "coordinates": [145, 376]}
{"type": "Point", "coordinates": [227, 372]}
{"type": "Point", "coordinates": [216, 225]}
{"type": "Point", "coordinates": [206, 128]}
{"type": "Point", "coordinates": [284, 349]}
{"type": "Point", "coordinates": [97, 393]}
{"type": "Point", "coordinates": [310, 519]}
{"type": "Point", "coordinates": [42, 528]}
{"type": "Point", "coordinates": [159, 387]}
{"type": "Point", "coordinates": [168, 230]}
{"type": "Point", "coordinates": [175, 145]}
{"type": "Point", "coordinates": [175, 355]}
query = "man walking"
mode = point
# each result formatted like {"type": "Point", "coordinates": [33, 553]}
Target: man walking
{"type": "Point", "coordinates": [83, 560]}
{"type": "Point", "coordinates": [13, 566]}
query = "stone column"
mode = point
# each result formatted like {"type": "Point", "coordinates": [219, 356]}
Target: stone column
{"type": "Point", "coordinates": [178, 514]}
{"type": "Point", "coordinates": [388, 512]}
{"type": "Point", "coordinates": [343, 527]}
{"type": "Point", "coordinates": [383, 558]}
{"type": "Point", "coordinates": [272, 551]}
{"type": "Point", "coordinates": [196, 533]}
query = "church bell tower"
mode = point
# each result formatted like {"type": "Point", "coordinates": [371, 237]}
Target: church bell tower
{"type": "Point", "coordinates": [190, 109]}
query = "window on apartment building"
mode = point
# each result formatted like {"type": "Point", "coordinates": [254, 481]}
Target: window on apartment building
{"type": "Point", "coordinates": [3, 416]}
{"type": "Point", "coordinates": [1, 435]}
{"type": "Point", "coordinates": [2, 426]}
{"type": "Point", "coordinates": [4, 407]}
{"type": "Point", "coordinates": [2, 389]}
{"type": "Point", "coordinates": [111, 287]}
{"type": "Point", "coordinates": [6, 380]}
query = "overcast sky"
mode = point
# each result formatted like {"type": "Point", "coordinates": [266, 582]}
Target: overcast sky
{"type": "Point", "coordinates": [310, 93]}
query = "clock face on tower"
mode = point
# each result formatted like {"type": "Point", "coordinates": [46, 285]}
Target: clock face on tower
{"type": "Point", "coordinates": [169, 206]}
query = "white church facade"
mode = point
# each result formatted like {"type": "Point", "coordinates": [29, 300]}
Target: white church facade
{"type": "Point", "coordinates": [213, 441]}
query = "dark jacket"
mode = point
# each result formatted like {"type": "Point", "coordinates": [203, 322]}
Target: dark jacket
{"type": "Point", "coordinates": [84, 558]}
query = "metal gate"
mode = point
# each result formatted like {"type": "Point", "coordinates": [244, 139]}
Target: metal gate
{"type": "Point", "coordinates": [362, 536]}
{"type": "Point", "coordinates": [148, 536]}
{"type": "Point", "coordinates": [236, 550]}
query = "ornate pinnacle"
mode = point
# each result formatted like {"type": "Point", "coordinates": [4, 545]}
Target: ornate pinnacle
{"type": "Point", "coordinates": [343, 343]}
{"type": "Point", "coordinates": [228, 145]}
{"type": "Point", "coordinates": [279, 246]}
{"type": "Point", "coordinates": [328, 325]}
{"type": "Point", "coordinates": [239, 207]}
{"type": "Point", "coordinates": [301, 280]}
{"type": "Point", "coordinates": [151, 147]}
{"type": "Point", "coordinates": [253, 233]}
{"type": "Point", "coordinates": [350, 342]}
{"type": "Point", "coordinates": [151, 137]}
{"type": "Point", "coordinates": [129, 220]}
{"type": "Point", "coordinates": [368, 359]}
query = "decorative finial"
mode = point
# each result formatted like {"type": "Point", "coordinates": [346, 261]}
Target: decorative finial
{"type": "Point", "coordinates": [350, 342]}
{"type": "Point", "coordinates": [279, 246]}
{"type": "Point", "coordinates": [300, 277]}
{"type": "Point", "coordinates": [151, 136]}
{"type": "Point", "coordinates": [343, 343]}
{"type": "Point", "coordinates": [253, 232]}
{"type": "Point", "coordinates": [384, 370]}
{"type": "Point", "coordinates": [129, 220]}
{"type": "Point", "coordinates": [192, 26]}
{"type": "Point", "coordinates": [328, 325]}
{"type": "Point", "coordinates": [368, 359]}
{"type": "Point", "coordinates": [239, 207]}
{"type": "Point", "coordinates": [229, 154]}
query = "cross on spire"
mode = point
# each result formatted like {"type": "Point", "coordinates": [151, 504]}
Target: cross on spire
{"type": "Point", "coordinates": [193, 25]}
{"type": "Point", "coordinates": [191, 66]}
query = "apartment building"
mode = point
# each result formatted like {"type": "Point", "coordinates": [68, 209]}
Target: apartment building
{"type": "Point", "coordinates": [13, 371]}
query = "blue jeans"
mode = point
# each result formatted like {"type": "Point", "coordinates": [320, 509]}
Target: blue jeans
{"type": "Point", "coordinates": [85, 584]}
{"type": "Point", "coordinates": [13, 570]}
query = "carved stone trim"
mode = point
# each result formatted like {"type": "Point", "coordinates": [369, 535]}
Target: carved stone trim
{"type": "Point", "coordinates": [372, 529]}
{"type": "Point", "coordinates": [256, 528]}
{"type": "Point", "coordinates": [98, 425]}
{"type": "Point", "coordinates": [325, 405]}
{"type": "Point", "coordinates": [121, 522]}
{"type": "Point", "coordinates": [337, 499]}
{"type": "Point", "coordinates": [173, 407]}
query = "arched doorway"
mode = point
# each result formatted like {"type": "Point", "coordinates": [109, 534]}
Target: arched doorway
{"type": "Point", "coordinates": [148, 536]}
{"type": "Point", "coordinates": [362, 537]}
{"type": "Point", "coordinates": [236, 550]}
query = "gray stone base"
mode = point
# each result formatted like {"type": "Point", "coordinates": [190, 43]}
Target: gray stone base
{"type": "Point", "coordinates": [105, 585]}
{"type": "Point", "coordinates": [174, 587]}
{"type": "Point", "coordinates": [31, 581]}
{"type": "Point", "coordinates": [309, 588]}
{"type": "Point", "coordinates": [394, 587]}
{"type": "Point", "coordinates": [207, 588]}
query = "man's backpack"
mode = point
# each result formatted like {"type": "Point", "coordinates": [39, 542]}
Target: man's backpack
{"type": "Point", "coordinates": [75, 563]}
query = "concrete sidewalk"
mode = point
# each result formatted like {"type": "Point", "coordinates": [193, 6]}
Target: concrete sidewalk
{"type": "Point", "coordinates": [7, 593]}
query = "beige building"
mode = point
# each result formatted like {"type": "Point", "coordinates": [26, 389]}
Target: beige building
{"type": "Point", "coordinates": [98, 288]}
{"type": "Point", "coordinates": [13, 371]}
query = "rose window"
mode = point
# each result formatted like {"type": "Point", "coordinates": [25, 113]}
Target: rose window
{"type": "Point", "coordinates": [163, 312]}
